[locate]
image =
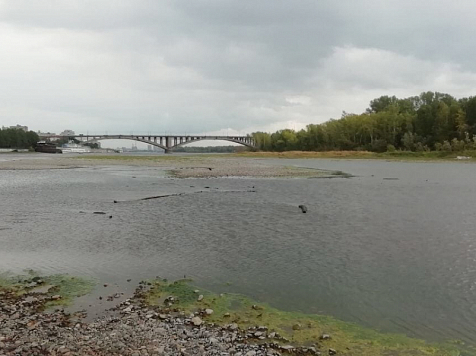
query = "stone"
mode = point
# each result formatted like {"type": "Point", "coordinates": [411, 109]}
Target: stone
{"type": "Point", "coordinates": [209, 311]}
{"type": "Point", "coordinates": [332, 352]}
{"type": "Point", "coordinates": [287, 347]}
{"type": "Point", "coordinates": [161, 331]}
{"type": "Point", "coordinates": [56, 297]}
{"type": "Point", "coordinates": [297, 326]}
{"type": "Point", "coordinates": [325, 337]}
{"type": "Point", "coordinates": [197, 321]}
{"type": "Point", "coordinates": [200, 298]}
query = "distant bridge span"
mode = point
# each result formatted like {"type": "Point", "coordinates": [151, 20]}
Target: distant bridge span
{"type": "Point", "coordinates": [167, 142]}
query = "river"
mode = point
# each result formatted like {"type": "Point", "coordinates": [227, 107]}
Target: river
{"type": "Point", "coordinates": [393, 247]}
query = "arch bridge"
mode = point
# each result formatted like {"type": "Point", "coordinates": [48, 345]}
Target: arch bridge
{"type": "Point", "coordinates": [167, 142]}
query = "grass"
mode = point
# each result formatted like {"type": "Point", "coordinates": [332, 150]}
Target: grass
{"type": "Point", "coordinates": [299, 328]}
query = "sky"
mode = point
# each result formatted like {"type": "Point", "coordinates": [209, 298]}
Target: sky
{"type": "Point", "coordinates": [223, 66]}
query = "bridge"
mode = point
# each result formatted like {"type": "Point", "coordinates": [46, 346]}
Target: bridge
{"type": "Point", "coordinates": [167, 142]}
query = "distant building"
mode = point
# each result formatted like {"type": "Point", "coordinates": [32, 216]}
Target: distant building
{"type": "Point", "coordinates": [17, 127]}
{"type": "Point", "coordinates": [67, 133]}
{"type": "Point", "coordinates": [46, 134]}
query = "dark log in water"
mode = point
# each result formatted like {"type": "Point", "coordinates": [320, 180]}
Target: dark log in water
{"type": "Point", "coordinates": [303, 208]}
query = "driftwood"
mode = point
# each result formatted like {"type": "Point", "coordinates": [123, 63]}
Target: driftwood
{"type": "Point", "coordinates": [303, 208]}
{"type": "Point", "coordinates": [182, 194]}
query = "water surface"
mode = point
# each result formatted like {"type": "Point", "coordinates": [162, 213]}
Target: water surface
{"type": "Point", "coordinates": [395, 254]}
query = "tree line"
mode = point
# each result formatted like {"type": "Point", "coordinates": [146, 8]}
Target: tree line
{"type": "Point", "coordinates": [430, 121]}
{"type": "Point", "coordinates": [15, 138]}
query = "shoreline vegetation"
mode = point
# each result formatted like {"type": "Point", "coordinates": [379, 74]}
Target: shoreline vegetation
{"type": "Point", "coordinates": [16, 138]}
{"type": "Point", "coordinates": [425, 156]}
{"type": "Point", "coordinates": [431, 121]}
{"type": "Point", "coordinates": [169, 318]}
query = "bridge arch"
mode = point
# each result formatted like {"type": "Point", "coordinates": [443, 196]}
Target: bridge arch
{"type": "Point", "coordinates": [217, 138]}
{"type": "Point", "coordinates": [137, 139]}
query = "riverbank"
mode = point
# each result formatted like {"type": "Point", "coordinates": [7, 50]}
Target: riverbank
{"type": "Point", "coordinates": [466, 156]}
{"type": "Point", "coordinates": [164, 318]}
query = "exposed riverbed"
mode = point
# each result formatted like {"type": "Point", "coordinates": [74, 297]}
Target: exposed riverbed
{"type": "Point", "coordinates": [391, 248]}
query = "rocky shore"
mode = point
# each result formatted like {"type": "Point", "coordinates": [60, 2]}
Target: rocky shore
{"type": "Point", "coordinates": [134, 328]}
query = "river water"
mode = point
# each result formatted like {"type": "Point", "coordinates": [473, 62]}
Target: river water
{"type": "Point", "coordinates": [393, 248]}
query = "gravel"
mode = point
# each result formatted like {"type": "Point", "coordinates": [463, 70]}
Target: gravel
{"type": "Point", "coordinates": [132, 329]}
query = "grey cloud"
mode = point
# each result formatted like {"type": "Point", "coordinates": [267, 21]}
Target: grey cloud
{"type": "Point", "coordinates": [175, 65]}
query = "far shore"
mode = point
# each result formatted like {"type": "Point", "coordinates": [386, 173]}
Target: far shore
{"type": "Point", "coordinates": [424, 156]}
{"type": "Point", "coordinates": [467, 156]}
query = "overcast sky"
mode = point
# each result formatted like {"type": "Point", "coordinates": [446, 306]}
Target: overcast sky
{"type": "Point", "coordinates": [220, 66]}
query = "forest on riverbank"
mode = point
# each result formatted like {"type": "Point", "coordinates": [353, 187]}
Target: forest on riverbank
{"type": "Point", "coordinates": [16, 138]}
{"type": "Point", "coordinates": [430, 121]}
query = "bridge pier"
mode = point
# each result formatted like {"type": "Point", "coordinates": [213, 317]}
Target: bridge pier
{"type": "Point", "coordinates": [168, 150]}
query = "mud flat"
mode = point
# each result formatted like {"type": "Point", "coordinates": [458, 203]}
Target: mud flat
{"type": "Point", "coordinates": [200, 166]}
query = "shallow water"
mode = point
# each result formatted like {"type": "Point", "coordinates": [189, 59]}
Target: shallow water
{"type": "Point", "coordinates": [395, 254]}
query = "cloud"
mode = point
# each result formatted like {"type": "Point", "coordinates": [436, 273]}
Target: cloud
{"type": "Point", "coordinates": [211, 65]}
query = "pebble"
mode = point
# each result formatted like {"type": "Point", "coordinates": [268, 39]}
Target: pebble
{"type": "Point", "coordinates": [197, 321]}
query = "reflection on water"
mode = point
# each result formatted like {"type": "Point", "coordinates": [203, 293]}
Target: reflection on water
{"type": "Point", "coordinates": [397, 255]}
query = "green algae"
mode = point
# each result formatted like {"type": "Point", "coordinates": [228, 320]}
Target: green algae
{"type": "Point", "coordinates": [301, 329]}
{"type": "Point", "coordinates": [68, 287]}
